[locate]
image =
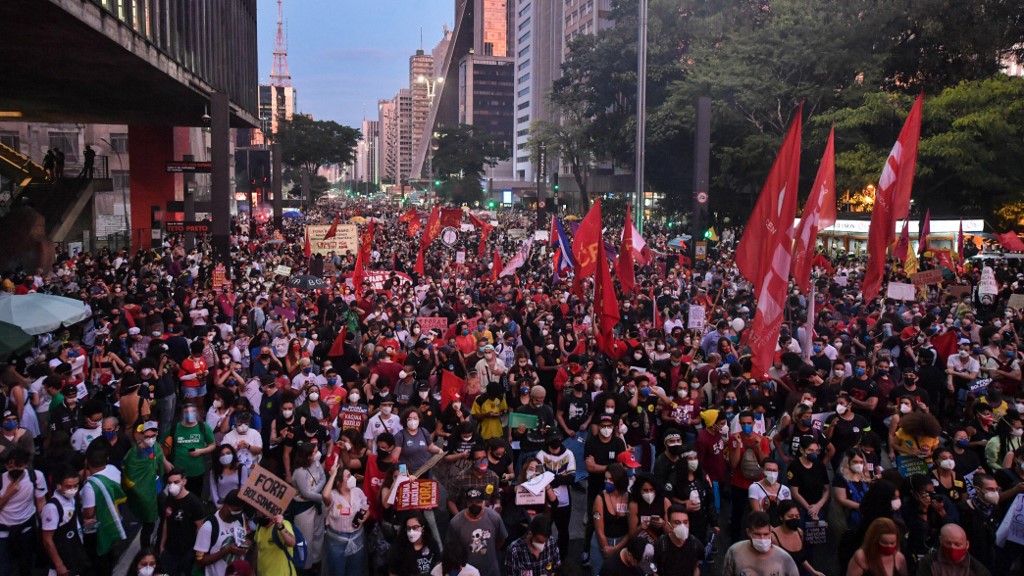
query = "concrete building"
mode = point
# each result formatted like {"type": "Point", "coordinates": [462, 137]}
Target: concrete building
{"type": "Point", "coordinates": [422, 83]}
{"type": "Point", "coordinates": [365, 167]}
{"type": "Point", "coordinates": [387, 153]}
{"type": "Point", "coordinates": [403, 103]}
{"type": "Point", "coordinates": [540, 47]}
{"type": "Point", "coordinates": [585, 17]}
{"type": "Point", "coordinates": [277, 104]}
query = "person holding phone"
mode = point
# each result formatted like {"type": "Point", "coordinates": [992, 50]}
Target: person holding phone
{"type": "Point", "coordinates": [221, 538]}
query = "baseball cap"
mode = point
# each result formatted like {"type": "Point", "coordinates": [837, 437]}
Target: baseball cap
{"type": "Point", "coordinates": [473, 493]}
{"type": "Point", "coordinates": [232, 499]}
{"type": "Point", "coordinates": [627, 459]}
{"type": "Point", "coordinates": [134, 331]}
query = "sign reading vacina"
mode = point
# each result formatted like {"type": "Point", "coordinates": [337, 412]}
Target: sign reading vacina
{"type": "Point", "coordinates": [190, 167]}
{"type": "Point", "coordinates": [199, 227]}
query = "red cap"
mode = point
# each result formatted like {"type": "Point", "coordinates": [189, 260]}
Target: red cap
{"type": "Point", "coordinates": [627, 459]}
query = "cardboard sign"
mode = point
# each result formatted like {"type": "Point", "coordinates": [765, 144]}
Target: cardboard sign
{"type": "Point", "coordinates": [697, 318]}
{"type": "Point", "coordinates": [980, 386]}
{"type": "Point", "coordinates": [908, 465]}
{"type": "Point", "coordinates": [988, 285]}
{"type": "Point", "coordinates": [460, 257]}
{"type": "Point", "coordinates": [220, 277]}
{"type": "Point", "coordinates": [969, 484]}
{"type": "Point", "coordinates": [429, 464]}
{"type": "Point", "coordinates": [1016, 301]}
{"type": "Point", "coordinates": [283, 270]}
{"type": "Point", "coordinates": [266, 492]}
{"type": "Point", "coordinates": [346, 239]}
{"type": "Point", "coordinates": [526, 498]}
{"type": "Point", "coordinates": [901, 291]}
{"type": "Point", "coordinates": [933, 276]}
{"type": "Point", "coordinates": [417, 495]}
{"type": "Point", "coordinates": [816, 532]}
{"type": "Point", "coordinates": [352, 420]}
{"type": "Point", "coordinates": [542, 235]}
{"type": "Point", "coordinates": [1012, 526]}
{"type": "Point", "coordinates": [959, 291]}
{"type": "Point", "coordinates": [428, 323]}
{"type": "Point", "coordinates": [700, 250]}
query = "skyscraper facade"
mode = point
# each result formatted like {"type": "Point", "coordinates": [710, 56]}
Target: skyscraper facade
{"type": "Point", "coordinates": [422, 85]}
{"type": "Point", "coordinates": [539, 50]}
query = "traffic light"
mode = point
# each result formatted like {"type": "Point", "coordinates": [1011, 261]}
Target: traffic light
{"type": "Point", "coordinates": [707, 234]}
{"type": "Point", "coordinates": [437, 182]}
{"type": "Point", "coordinates": [554, 182]}
{"type": "Point", "coordinates": [490, 205]}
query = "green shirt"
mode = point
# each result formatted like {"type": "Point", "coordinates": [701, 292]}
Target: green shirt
{"type": "Point", "coordinates": [183, 439]}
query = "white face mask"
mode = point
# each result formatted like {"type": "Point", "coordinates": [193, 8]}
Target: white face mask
{"type": "Point", "coordinates": [456, 406]}
{"type": "Point", "coordinates": [771, 477]}
{"type": "Point", "coordinates": [351, 482]}
{"type": "Point", "coordinates": [1017, 432]}
{"type": "Point", "coordinates": [354, 397]}
{"type": "Point", "coordinates": [606, 432]}
{"type": "Point", "coordinates": [242, 429]}
{"type": "Point", "coordinates": [648, 497]}
{"type": "Point", "coordinates": [905, 408]}
{"type": "Point", "coordinates": [226, 459]}
{"type": "Point", "coordinates": [538, 546]}
{"type": "Point", "coordinates": [597, 383]}
{"type": "Point", "coordinates": [762, 545]}
{"type": "Point", "coordinates": [856, 468]}
{"type": "Point", "coordinates": [692, 465]}
{"type": "Point", "coordinates": [840, 409]}
{"type": "Point", "coordinates": [414, 535]}
{"type": "Point", "coordinates": [149, 442]}
{"type": "Point", "coordinates": [174, 489]}
{"type": "Point", "coordinates": [947, 464]}
{"type": "Point", "coordinates": [896, 504]}
{"type": "Point", "coordinates": [530, 474]}
{"type": "Point", "coordinates": [991, 496]}
{"type": "Point", "coordinates": [386, 410]}
{"type": "Point", "coordinates": [681, 532]}
{"type": "Point", "coordinates": [287, 413]}
{"type": "Point", "coordinates": [147, 570]}
{"type": "Point", "coordinates": [622, 429]}
{"type": "Point", "coordinates": [69, 494]}
{"type": "Point", "coordinates": [412, 424]}
{"type": "Point", "coordinates": [216, 404]}
{"type": "Point", "coordinates": [1019, 407]}
{"type": "Point", "coordinates": [610, 410]}
{"type": "Point", "coordinates": [840, 373]}
{"type": "Point", "coordinates": [314, 397]}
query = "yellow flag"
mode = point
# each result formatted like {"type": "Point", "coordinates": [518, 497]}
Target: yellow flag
{"type": "Point", "coordinates": [713, 236]}
{"type": "Point", "coordinates": [910, 265]}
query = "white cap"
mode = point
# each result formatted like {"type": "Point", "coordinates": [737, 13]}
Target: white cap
{"type": "Point", "coordinates": [55, 362]}
{"type": "Point", "coordinates": [133, 331]}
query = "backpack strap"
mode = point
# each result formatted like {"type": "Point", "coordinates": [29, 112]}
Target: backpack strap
{"type": "Point", "coordinates": [276, 538]}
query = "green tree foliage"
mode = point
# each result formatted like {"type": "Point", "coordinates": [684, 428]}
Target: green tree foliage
{"type": "Point", "coordinates": [461, 155]}
{"type": "Point", "coordinates": [311, 144]}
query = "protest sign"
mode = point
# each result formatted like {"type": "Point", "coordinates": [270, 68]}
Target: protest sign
{"type": "Point", "coordinates": [1016, 301]}
{"type": "Point", "coordinates": [345, 240]}
{"type": "Point", "coordinates": [933, 276]}
{"type": "Point", "coordinates": [283, 270]}
{"type": "Point", "coordinates": [1012, 526]}
{"type": "Point", "coordinates": [266, 492]}
{"type": "Point", "coordinates": [428, 323]}
{"type": "Point", "coordinates": [429, 464]}
{"type": "Point", "coordinates": [416, 495]}
{"type": "Point", "coordinates": [908, 465]}
{"type": "Point", "coordinates": [351, 419]}
{"type": "Point", "coordinates": [542, 235]}
{"type": "Point", "coordinates": [901, 291]}
{"type": "Point", "coordinates": [220, 277]}
{"type": "Point", "coordinates": [988, 286]}
{"type": "Point", "coordinates": [980, 386]}
{"type": "Point", "coordinates": [969, 484]}
{"type": "Point", "coordinates": [377, 278]}
{"type": "Point", "coordinates": [697, 318]}
{"type": "Point", "coordinates": [460, 257]}
{"type": "Point", "coordinates": [816, 532]}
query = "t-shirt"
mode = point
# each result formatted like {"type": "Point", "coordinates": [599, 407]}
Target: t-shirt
{"type": "Point", "coordinates": [415, 448]}
{"type": "Point", "coordinates": [564, 463]}
{"type": "Point", "coordinates": [252, 437]}
{"type": "Point", "coordinates": [228, 533]}
{"type": "Point", "coordinates": [811, 482]}
{"type": "Point", "coordinates": [742, 558]}
{"type": "Point", "coordinates": [677, 559]}
{"type": "Point", "coordinates": [862, 390]}
{"type": "Point", "coordinates": [604, 453]}
{"type": "Point", "coordinates": [575, 410]}
{"type": "Point", "coordinates": [51, 518]}
{"type": "Point", "coordinates": [481, 538]}
{"type": "Point", "coordinates": [181, 514]}
{"type": "Point", "coordinates": [846, 433]}
{"type": "Point", "coordinates": [271, 558]}
{"type": "Point", "coordinates": [82, 437]}
{"type": "Point", "coordinates": [22, 506]}
{"type": "Point", "coordinates": [184, 438]}
{"type": "Point", "coordinates": [377, 425]}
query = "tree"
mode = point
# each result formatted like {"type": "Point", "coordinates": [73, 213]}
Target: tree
{"type": "Point", "coordinates": [569, 140]}
{"type": "Point", "coordinates": [308, 145]}
{"type": "Point", "coordinates": [461, 155]}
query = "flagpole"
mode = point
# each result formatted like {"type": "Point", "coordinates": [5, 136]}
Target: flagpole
{"type": "Point", "coordinates": [809, 326]}
{"type": "Point", "coordinates": [641, 116]}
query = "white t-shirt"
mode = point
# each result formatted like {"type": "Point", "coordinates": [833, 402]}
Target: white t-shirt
{"type": "Point", "coordinates": [757, 492]}
{"type": "Point", "coordinates": [245, 458]}
{"type": "Point", "coordinates": [467, 570]}
{"type": "Point", "coordinates": [564, 463]}
{"type": "Point", "coordinates": [22, 506]}
{"type": "Point", "coordinates": [39, 391]}
{"type": "Point", "coordinates": [82, 437]}
{"type": "Point", "coordinates": [50, 517]}
{"type": "Point", "coordinates": [377, 425]}
{"type": "Point", "coordinates": [228, 533]}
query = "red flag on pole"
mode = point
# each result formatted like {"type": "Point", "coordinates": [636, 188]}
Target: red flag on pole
{"type": "Point", "coordinates": [903, 243]}
{"type": "Point", "coordinates": [819, 213]}
{"type": "Point", "coordinates": [585, 245]}
{"type": "Point", "coordinates": [496, 266]}
{"type": "Point", "coordinates": [766, 248]}
{"type": "Point", "coordinates": [624, 265]}
{"type": "Point", "coordinates": [365, 248]}
{"type": "Point", "coordinates": [658, 324]}
{"type": "Point", "coordinates": [892, 199]}
{"type": "Point", "coordinates": [307, 249]}
{"type": "Point", "coordinates": [1010, 241]}
{"type": "Point", "coordinates": [451, 386]}
{"type": "Point", "coordinates": [451, 217]}
{"type": "Point", "coordinates": [606, 308]}
{"type": "Point", "coordinates": [960, 242]}
{"type": "Point", "coordinates": [432, 229]}
{"type": "Point", "coordinates": [338, 347]}
{"type": "Point", "coordinates": [926, 229]}
{"type": "Point", "coordinates": [333, 230]}
{"type": "Point", "coordinates": [769, 231]}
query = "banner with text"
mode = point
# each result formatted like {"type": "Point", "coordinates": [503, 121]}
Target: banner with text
{"type": "Point", "coordinates": [266, 492]}
{"type": "Point", "coordinates": [346, 239]}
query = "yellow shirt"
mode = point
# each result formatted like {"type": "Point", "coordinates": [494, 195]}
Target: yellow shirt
{"type": "Point", "coordinates": [489, 414]}
{"type": "Point", "coordinates": [270, 558]}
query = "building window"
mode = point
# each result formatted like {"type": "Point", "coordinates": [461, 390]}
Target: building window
{"type": "Point", "coordinates": [524, 37]}
{"type": "Point", "coordinates": [523, 105]}
{"type": "Point", "coordinates": [11, 140]}
{"type": "Point", "coordinates": [120, 180]}
{"type": "Point", "coordinates": [524, 51]}
{"type": "Point", "coordinates": [523, 92]}
{"type": "Point", "coordinates": [119, 143]}
{"type": "Point", "coordinates": [524, 64]}
{"type": "Point", "coordinates": [68, 144]}
{"type": "Point", "coordinates": [523, 132]}
{"type": "Point", "coordinates": [524, 118]}
{"type": "Point", "coordinates": [524, 10]}
{"type": "Point", "coordinates": [524, 24]}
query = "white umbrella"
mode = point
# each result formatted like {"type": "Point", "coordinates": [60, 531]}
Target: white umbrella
{"type": "Point", "coordinates": [40, 313]}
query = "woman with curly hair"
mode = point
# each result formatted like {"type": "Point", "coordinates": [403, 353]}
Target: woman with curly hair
{"type": "Point", "coordinates": [918, 435]}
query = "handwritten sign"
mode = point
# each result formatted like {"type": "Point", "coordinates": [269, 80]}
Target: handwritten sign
{"type": "Point", "coordinates": [980, 386]}
{"type": "Point", "coordinates": [266, 492]}
{"type": "Point", "coordinates": [697, 318]}
{"type": "Point", "coordinates": [417, 495]}
{"type": "Point", "coordinates": [1016, 301]}
{"type": "Point", "coordinates": [988, 285]}
{"type": "Point", "coordinates": [816, 532]}
{"type": "Point", "coordinates": [901, 291]}
{"type": "Point", "coordinates": [283, 270]}
{"type": "Point", "coordinates": [460, 257]}
{"type": "Point", "coordinates": [429, 464]}
{"type": "Point", "coordinates": [428, 323]}
{"type": "Point", "coordinates": [346, 240]}
{"type": "Point", "coordinates": [220, 277]}
{"type": "Point", "coordinates": [933, 276]}
{"type": "Point", "coordinates": [352, 420]}
{"type": "Point", "coordinates": [908, 465]}
{"type": "Point", "coordinates": [959, 291]}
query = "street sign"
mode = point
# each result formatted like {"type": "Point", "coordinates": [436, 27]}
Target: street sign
{"type": "Point", "coordinates": [190, 167]}
{"type": "Point", "coordinates": [199, 227]}
{"type": "Point", "coordinates": [701, 250]}
{"type": "Point", "coordinates": [702, 197]}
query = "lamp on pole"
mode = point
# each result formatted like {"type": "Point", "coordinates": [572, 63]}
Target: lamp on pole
{"type": "Point", "coordinates": [641, 116]}
{"type": "Point", "coordinates": [124, 195]}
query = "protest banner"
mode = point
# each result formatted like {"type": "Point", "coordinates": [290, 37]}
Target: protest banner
{"type": "Point", "coordinates": [352, 420]}
{"type": "Point", "coordinates": [901, 291]}
{"type": "Point", "coordinates": [428, 323]}
{"type": "Point", "coordinates": [933, 276]}
{"type": "Point", "coordinates": [908, 465]}
{"type": "Point", "coordinates": [526, 498]}
{"type": "Point", "coordinates": [1016, 301]}
{"type": "Point", "coordinates": [988, 285]}
{"type": "Point", "coordinates": [417, 495]}
{"type": "Point", "coordinates": [220, 277]}
{"type": "Point", "coordinates": [697, 318]}
{"type": "Point", "coordinates": [266, 492]}
{"type": "Point", "coordinates": [1012, 526]}
{"type": "Point", "coordinates": [816, 532]}
{"type": "Point", "coordinates": [377, 278]}
{"type": "Point", "coordinates": [346, 239]}
{"type": "Point", "coordinates": [283, 270]}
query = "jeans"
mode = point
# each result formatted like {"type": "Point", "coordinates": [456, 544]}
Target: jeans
{"type": "Point", "coordinates": [345, 553]}
{"type": "Point", "coordinates": [575, 445]}
{"type": "Point", "coordinates": [596, 558]}
{"type": "Point", "coordinates": [18, 550]}
{"type": "Point", "coordinates": [165, 411]}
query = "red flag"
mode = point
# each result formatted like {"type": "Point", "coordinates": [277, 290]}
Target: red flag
{"type": "Point", "coordinates": [960, 242]}
{"type": "Point", "coordinates": [624, 265]}
{"type": "Point", "coordinates": [606, 307]}
{"type": "Point", "coordinates": [1010, 241]}
{"type": "Point", "coordinates": [432, 230]}
{"type": "Point", "coordinates": [418, 267]}
{"type": "Point", "coordinates": [365, 249]}
{"type": "Point", "coordinates": [819, 213]}
{"type": "Point", "coordinates": [926, 229]}
{"type": "Point", "coordinates": [497, 266]}
{"type": "Point", "coordinates": [892, 199]}
{"type": "Point", "coordinates": [338, 348]}
{"type": "Point", "coordinates": [307, 249]}
{"type": "Point", "coordinates": [333, 230]}
{"type": "Point", "coordinates": [451, 217]}
{"type": "Point", "coordinates": [414, 226]}
{"type": "Point", "coordinates": [768, 235]}
{"type": "Point", "coordinates": [585, 245]}
{"type": "Point", "coordinates": [823, 262]}
{"type": "Point", "coordinates": [945, 345]}
{"type": "Point", "coordinates": [408, 216]}
{"type": "Point", "coordinates": [903, 244]}
{"type": "Point", "coordinates": [944, 258]}
{"type": "Point", "coordinates": [485, 232]}
{"type": "Point", "coordinates": [658, 324]}
{"type": "Point", "coordinates": [766, 248]}
{"type": "Point", "coordinates": [451, 386]}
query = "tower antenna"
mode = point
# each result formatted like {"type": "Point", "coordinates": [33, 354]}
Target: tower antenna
{"type": "Point", "coordinates": [279, 75]}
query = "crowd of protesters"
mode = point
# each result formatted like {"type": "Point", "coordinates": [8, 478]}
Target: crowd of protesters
{"type": "Point", "coordinates": [885, 440]}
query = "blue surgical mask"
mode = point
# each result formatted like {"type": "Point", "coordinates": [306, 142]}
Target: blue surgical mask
{"type": "Point", "coordinates": [859, 371]}
{"type": "Point", "coordinates": [747, 429]}
{"type": "Point", "coordinates": [817, 348]}
{"type": "Point", "coordinates": [10, 425]}
{"type": "Point", "coordinates": [332, 381]}
{"type": "Point", "coordinates": [307, 370]}
{"type": "Point", "coordinates": [110, 435]}
{"type": "Point", "coordinates": [807, 422]}
{"type": "Point", "coordinates": [609, 487]}
{"type": "Point", "coordinates": [812, 456]}
{"type": "Point", "coordinates": [645, 391]}
{"type": "Point", "coordinates": [758, 416]}
{"type": "Point", "coordinates": [962, 443]}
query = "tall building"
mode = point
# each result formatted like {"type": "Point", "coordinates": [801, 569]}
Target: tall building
{"type": "Point", "coordinates": [387, 151]}
{"type": "Point", "coordinates": [365, 169]}
{"type": "Point", "coordinates": [585, 17]}
{"type": "Point", "coordinates": [277, 105]}
{"type": "Point", "coordinates": [485, 94]}
{"type": "Point", "coordinates": [404, 103]}
{"type": "Point", "coordinates": [422, 84]}
{"type": "Point", "coordinates": [538, 59]}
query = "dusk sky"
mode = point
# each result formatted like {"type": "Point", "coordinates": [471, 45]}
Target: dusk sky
{"type": "Point", "coordinates": [344, 55]}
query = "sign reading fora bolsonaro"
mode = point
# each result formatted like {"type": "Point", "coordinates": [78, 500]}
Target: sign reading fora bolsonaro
{"type": "Point", "coordinates": [266, 492]}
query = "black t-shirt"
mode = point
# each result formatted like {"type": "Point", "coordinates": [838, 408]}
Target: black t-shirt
{"type": "Point", "coordinates": [846, 433]}
{"type": "Point", "coordinates": [456, 445]}
{"type": "Point", "coordinates": [614, 566]}
{"type": "Point", "coordinates": [919, 394]}
{"type": "Point", "coordinates": [685, 559]}
{"type": "Point", "coordinates": [181, 515]}
{"type": "Point", "coordinates": [862, 390]}
{"type": "Point", "coordinates": [604, 453]}
{"type": "Point", "coordinates": [575, 410]}
{"type": "Point", "coordinates": [412, 562]}
{"type": "Point", "coordinates": [812, 482]}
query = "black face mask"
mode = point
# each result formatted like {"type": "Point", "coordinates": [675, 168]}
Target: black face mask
{"type": "Point", "coordinates": [15, 474]}
{"type": "Point", "coordinates": [554, 447]}
{"type": "Point", "coordinates": [475, 509]}
{"type": "Point", "coordinates": [675, 450]}
{"type": "Point", "coordinates": [792, 523]}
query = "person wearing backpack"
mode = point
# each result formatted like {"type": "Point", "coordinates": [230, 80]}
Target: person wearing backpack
{"type": "Point", "coordinates": [275, 540]}
{"type": "Point", "coordinates": [747, 449]}
{"type": "Point", "coordinates": [62, 526]}
{"type": "Point", "coordinates": [22, 492]}
{"type": "Point", "coordinates": [221, 538]}
{"type": "Point", "coordinates": [183, 516]}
